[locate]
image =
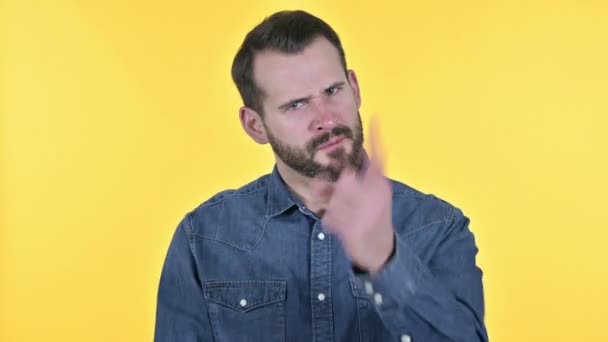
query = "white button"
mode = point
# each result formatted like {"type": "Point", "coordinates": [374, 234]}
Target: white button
{"type": "Point", "coordinates": [368, 288]}
{"type": "Point", "coordinates": [378, 299]}
{"type": "Point", "coordinates": [321, 236]}
{"type": "Point", "coordinates": [406, 338]}
{"type": "Point", "coordinates": [243, 302]}
{"type": "Point", "coordinates": [321, 297]}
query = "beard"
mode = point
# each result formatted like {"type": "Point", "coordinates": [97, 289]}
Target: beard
{"type": "Point", "coordinates": [302, 160]}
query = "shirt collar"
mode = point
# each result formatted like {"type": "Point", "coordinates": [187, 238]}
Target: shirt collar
{"type": "Point", "coordinates": [280, 197]}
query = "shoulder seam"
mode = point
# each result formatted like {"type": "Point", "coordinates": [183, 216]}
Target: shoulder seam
{"type": "Point", "coordinates": [443, 220]}
{"type": "Point", "coordinates": [235, 193]}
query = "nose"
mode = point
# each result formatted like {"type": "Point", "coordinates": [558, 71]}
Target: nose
{"type": "Point", "coordinates": [325, 117]}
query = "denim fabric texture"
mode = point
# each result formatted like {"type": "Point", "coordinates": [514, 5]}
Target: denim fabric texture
{"type": "Point", "coordinates": [254, 264]}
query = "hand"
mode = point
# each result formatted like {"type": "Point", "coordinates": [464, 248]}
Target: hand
{"type": "Point", "coordinates": [359, 211]}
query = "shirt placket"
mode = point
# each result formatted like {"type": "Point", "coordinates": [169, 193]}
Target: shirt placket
{"type": "Point", "coordinates": [320, 284]}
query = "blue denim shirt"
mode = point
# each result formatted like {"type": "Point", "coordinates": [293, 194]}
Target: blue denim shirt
{"type": "Point", "coordinates": [254, 264]}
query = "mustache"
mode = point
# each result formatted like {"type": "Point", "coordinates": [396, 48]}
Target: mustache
{"type": "Point", "coordinates": [344, 131]}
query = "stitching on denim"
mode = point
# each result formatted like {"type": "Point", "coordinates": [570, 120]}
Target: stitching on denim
{"type": "Point", "coordinates": [269, 197]}
{"type": "Point", "coordinates": [279, 286]}
{"type": "Point", "coordinates": [220, 241]}
{"type": "Point", "coordinates": [331, 311]}
{"type": "Point", "coordinates": [358, 318]}
{"type": "Point", "coordinates": [246, 283]}
{"type": "Point", "coordinates": [408, 192]}
{"type": "Point", "coordinates": [233, 194]}
{"type": "Point", "coordinates": [190, 233]}
{"type": "Point", "coordinates": [192, 247]}
{"type": "Point", "coordinates": [444, 220]}
{"type": "Point", "coordinates": [252, 307]}
{"type": "Point", "coordinates": [253, 246]}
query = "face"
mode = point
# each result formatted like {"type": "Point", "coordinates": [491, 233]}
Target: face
{"type": "Point", "coordinates": [311, 110]}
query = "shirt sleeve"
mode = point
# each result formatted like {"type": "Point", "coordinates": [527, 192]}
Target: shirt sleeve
{"type": "Point", "coordinates": [441, 300]}
{"type": "Point", "coordinates": [181, 313]}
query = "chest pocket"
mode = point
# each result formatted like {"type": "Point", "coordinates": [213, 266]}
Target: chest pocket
{"type": "Point", "coordinates": [248, 310]}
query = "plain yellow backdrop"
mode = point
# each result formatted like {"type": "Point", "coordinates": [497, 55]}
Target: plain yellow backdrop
{"type": "Point", "coordinates": [118, 117]}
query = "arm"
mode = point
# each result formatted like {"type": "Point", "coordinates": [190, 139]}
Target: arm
{"type": "Point", "coordinates": [181, 313]}
{"type": "Point", "coordinates": [442, 299]}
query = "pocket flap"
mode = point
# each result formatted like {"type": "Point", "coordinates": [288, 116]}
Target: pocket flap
{"type": "Point", "coordinates": [245, 295]}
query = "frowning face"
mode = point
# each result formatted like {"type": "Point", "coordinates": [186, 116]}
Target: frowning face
{"type": "Point", "coordinates": [311, 110]}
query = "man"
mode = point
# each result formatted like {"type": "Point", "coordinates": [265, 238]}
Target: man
{"type": "Point", "coordinates": [325, 248]}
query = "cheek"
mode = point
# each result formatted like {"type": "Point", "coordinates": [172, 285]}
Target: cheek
{"type": "Point", "coordinates": [292, 133]}
{"type": "Point", "coordinates": [345, 105]}
{"type": "Point", "coordinates": [294, 128]}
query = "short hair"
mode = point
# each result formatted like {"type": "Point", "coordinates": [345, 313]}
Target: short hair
{"type": "Point", "coordinates": [284, 31]}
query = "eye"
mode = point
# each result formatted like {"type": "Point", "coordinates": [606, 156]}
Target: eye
{"type": "Point", "coordinates": [333, 90]}
{"type": "Point", "coordinates": [295, 105]}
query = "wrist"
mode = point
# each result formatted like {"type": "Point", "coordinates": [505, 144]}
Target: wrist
{"type": "Point", "coordinates": [361, 270]}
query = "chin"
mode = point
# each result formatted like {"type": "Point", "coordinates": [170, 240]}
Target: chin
{"type": "Point", "coordinates": [340, 158]}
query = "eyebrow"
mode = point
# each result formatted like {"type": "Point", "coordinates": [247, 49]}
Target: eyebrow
{"type": "Point", "coordinates": [292, 101]}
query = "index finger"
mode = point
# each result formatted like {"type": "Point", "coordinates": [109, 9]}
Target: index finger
{"type": "Point", "coordinates": [377, 156]}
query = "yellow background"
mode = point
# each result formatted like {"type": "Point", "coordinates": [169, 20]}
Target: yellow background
{"type": "Point", "coordinates": [118, 117]}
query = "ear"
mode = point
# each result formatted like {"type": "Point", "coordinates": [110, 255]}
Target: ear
{"type": "Point", "coordinates": [354, 83]}
{"type": "Point", "coordinates": [252, 123]}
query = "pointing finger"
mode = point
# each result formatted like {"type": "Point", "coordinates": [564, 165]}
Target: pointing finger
{"type": "Point", "coordinates": [377, 156]}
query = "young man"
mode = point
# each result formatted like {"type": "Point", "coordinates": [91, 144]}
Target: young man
{"type": "Point", "coordinates": [325, 248]}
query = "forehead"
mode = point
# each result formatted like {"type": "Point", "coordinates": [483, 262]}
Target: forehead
{"type": "Point", "coordinates": [285, 76]}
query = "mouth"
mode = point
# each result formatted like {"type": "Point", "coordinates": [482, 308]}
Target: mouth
{"type": "Point", "coordinates": [331, 143]}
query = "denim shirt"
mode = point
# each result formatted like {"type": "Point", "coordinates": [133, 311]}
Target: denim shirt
{"type": "Point", "coordinates": [254, 264]}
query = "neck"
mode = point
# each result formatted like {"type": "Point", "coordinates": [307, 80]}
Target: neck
{"type": "Point", "coordinates": [314, 193]}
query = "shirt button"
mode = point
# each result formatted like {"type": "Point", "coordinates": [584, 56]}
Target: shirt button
{"type": "Point", "coordinates": [321, 297]}
{"type": "Point", "coordinates": [406, 338]}
{"type": "Point", "coordinates": [368, 288]}
{"type": "Point", "coordinates": [243, 302]}
{"type": "Point", "coordinates": [321, 236]}
{"type": "Point", "coordinates": [378, 299]}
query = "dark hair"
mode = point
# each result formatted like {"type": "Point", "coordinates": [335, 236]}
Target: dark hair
{"type": "Point", "coordinates": [285, 31]}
